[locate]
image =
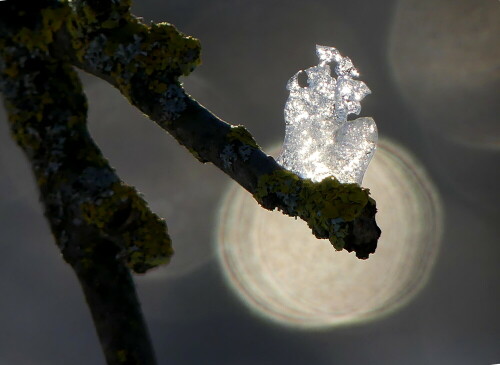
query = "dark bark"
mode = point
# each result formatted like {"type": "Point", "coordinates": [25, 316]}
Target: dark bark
{"type": "Point", "coordinates": [112, 299]}
{"type": "Point", "coordinates": [102, 226]}
{"type": "Point", "coordinates": [91, 212]}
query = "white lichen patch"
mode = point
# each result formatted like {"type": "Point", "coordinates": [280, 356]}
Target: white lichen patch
{"type": "Point", "coordinates": [245, 151]}
{"type": "Point", "coordinates": [95, 56]}
{"type": "Point", "coordinates": [125, 53]}
{"type": "Point", "coordinates": [319, 140]}
{"type": "Point", "coordinates": [173, 102]}
{"type": "Point", "coordinates": [227, 156]}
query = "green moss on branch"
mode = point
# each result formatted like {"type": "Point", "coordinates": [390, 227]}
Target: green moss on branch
{"type": "Point", "coordinates": [329, 207]}
{"type": "Point", "coordinates": [47, 110]}
{"type": "Point", "coordinates": [119, 212]}
{"type": "Point", "coordinates": [109, 40]}
{"type": "Point", "coordinates": [145, 62]}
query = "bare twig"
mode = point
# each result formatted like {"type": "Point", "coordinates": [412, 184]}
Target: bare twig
{"type": "Point", "coordinates": [343, 213]}
{"type": "Point", "coordinates": [101, 225]}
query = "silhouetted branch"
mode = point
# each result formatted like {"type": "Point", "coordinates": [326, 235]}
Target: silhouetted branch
{"type": "Point", "coordinates": [101, 225]}
{"type": "Point", "coordinates": [153, 87]}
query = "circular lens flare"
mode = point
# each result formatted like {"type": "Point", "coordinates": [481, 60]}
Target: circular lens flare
{"type": "Point", "coordinates": [451, 79]}
{"type": "Point", "coordinates": [285, 274]}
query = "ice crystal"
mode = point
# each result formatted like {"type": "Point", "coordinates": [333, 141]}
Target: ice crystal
{"type": "Point", "coordinates": [319, 140]}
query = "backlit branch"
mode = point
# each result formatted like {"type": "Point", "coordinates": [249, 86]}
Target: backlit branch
{"type": "Point", "coordinates": [140, 62]}
{"type": "Point", "coordinates": [101, 225]}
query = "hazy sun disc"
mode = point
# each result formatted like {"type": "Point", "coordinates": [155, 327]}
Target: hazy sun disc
{"type": "Point", "coordinates": [281, 271]}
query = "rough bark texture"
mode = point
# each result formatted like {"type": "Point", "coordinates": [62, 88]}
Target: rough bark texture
{"type": "Point", "coordinates": [116, 311]}
{"type": "Point", "coordinates": [117, 56]}
{"type": "Point", "coordinates": [102, 226]}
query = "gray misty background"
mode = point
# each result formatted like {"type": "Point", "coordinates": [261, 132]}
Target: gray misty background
{"type": "Point", "coordinates": [433, 68]}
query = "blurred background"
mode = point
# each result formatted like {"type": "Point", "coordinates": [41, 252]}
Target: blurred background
{"type": "Point", "coordinates": [246, 288]}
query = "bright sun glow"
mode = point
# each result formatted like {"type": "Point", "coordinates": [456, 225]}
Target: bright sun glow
{"type": "Point", "coordinates": [283, 273]}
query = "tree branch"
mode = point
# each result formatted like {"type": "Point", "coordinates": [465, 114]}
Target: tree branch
{"type": "Point", "coordinates": [100, 224]}
{"type": "Point", "coordinates": [346, 217]}
{"type": "Point", "coordinates": [144, 63]}
{"type": "Point", "coordinates": [116, 311]}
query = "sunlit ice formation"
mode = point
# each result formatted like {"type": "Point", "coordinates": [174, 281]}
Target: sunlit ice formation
{"type": "Point", "coordinates": [319, 140]}
{"type": "Point", "coordinates": [286, 275]}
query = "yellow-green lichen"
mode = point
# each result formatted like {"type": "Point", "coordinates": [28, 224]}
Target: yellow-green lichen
{"type": "Point", "coordinates": [39, 38]}
{"type": "Point", "coordinates": [21, 121]}
{"type": "Point", "coordinates": [159, 52]}
{"type": "Point", "coordinates": [86, 263]}
{"type": "Point", "coordinates": [121, 356]}
{"type": "Point", "coordinates": [158, 86]}
{"type": "Point", "coordinates": [145, 240]}
{"type": "Point", "coordinates": [326, 205]}
{"type": "Point", "coordinates": [123, 47]}
{"type": "Point", "coordinates": [195, 154]}
{"type": "Point", "coordinates": [241, 134]}
{"type": "Point", "coordinates": [122, 83]}
{"type": "Point", "coordinates": [332, 199]}
{"type": "Point", "coordinates": [106, 17]}
{"type": "Point", "coordinates": [74, 28]}
{"type": "Point", "coordinates": [27, 105]}
{"type": "Point", "coordinates": [167, 49]}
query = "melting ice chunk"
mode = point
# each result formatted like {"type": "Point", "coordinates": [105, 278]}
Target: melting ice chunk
{"type": "Point", "coordinates": [319, 140]}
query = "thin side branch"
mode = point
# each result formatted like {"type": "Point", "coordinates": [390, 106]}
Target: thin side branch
{"type": "Point", "coordinates": [116, 311]}
{"type": "Point", "coordinates": [101, 225]}
{"type": "Point", "coordinates": [348, 219]}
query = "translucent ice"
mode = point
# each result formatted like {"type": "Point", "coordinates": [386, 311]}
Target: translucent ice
{"type": "Point", "coordinates": [319, 140]}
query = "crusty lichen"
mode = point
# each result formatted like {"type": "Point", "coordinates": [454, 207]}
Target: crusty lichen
{"type": "Point", "coordinates": [242, 135]}
{"type": "Point", "coordinates": [40, 37]}
{"type": "Point", "coordinates": [110, 41]}
{"type": "Point", "coordinates": [326, 206]}
{"type": "Point", "coordinates": [142, 235]}
{"type": "Point", "coordinates": [118, 44]}
{"type": "Point", "coordinates": [168, 49]}
{"type": "Point", "coordinates": [144, 62]}
{"type": "Point", "coordinates": [47, 109]}
{"type": "Point", "coordinates": [240, 146]}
